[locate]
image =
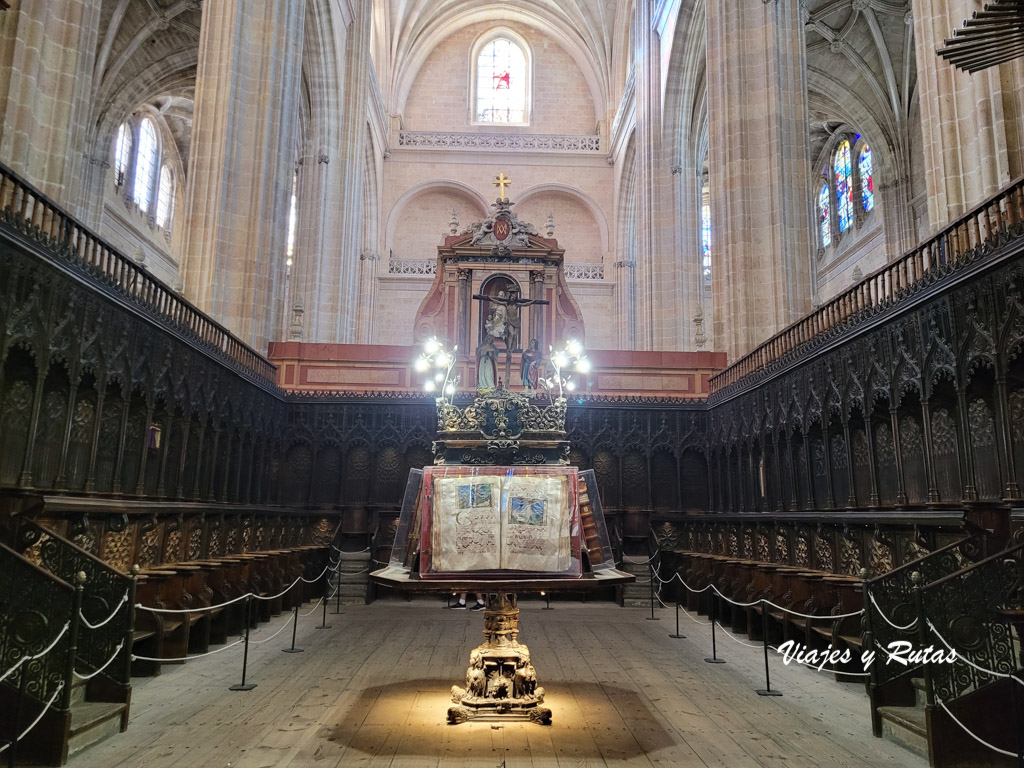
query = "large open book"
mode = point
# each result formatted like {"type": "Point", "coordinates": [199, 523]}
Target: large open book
{"type": "Point", "coordinates": [501, 522]}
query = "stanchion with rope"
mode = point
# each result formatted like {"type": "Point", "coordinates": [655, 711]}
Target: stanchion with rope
{"type": "Point", "coordinates": [295, 628]}
{"type": "Point", "coordinates": [650, 566]}
{"type": "Point", "coordinates": [714, 647]}
{"type": "Point", "coordinates": [243, 686]}
{"type": "Point", "coordinates": [677, 635]}
{"type": "Point", "coordinates": [327, 597]}
{"type": "Point", "coordinates": [767, 690]}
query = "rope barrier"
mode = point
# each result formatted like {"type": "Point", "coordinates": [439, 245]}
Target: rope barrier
{"type": "Point", "coordinates": [317, 605]}
{"type": "Point", "coordinates": [46, 650]}
{"type": "Point", "coordinates": [268, 639]}
{"type": "Point", "coordinates": [193, 610]}
{"type": "Point", "coordinates": [60, 687]}
{"type": "Point", "coordinates": [352, 573]}
{"type": "Point", "coordinates": [190, 657]}
{"type": "Point", "coordinates": [349, 552]}
{"type": "Point", "coordinates": [314, 581]}
{"type": "Point", "coordinates": [887, 620]}
{"type": "Point", "coordinates": [973, 735]}
{"type": "Point", "coordinates": [287, 589]}
{"type": "Point", "coordinates": [967, 661]}
{"type": "Point", "coordinates": [117, 609]}
{"type": "Point", "coordinates": [626, 559]}
{"type": "Point", "coordinates": [91, 675]}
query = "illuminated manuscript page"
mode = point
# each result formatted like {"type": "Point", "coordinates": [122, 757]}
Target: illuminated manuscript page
{"type": "Point", "coordinates": [535, 524]}
{"type": "Point", "coordinates": [466, 524]}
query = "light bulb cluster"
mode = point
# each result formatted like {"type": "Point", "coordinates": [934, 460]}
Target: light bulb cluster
{"type": "Point", "coordinates": [437, 363]}
{"type": "Point", "coordinates": [569, 355]}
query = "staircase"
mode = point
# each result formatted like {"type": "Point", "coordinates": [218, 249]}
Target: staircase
{"type": "Point", "coordinates": [352, 578]}
{"type": "Point", "coordinates": [59, 597]}
{"type": "Point", "coordinates": [960, 596]}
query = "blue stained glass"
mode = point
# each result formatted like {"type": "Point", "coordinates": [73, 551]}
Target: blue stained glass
{"type": "Point", "coordinates": [705, 240]}
{"type": "Point", "coordinates": [824, 216]}
{"type": "Point", "coordinates": [844, 189]}
{"type": "Point", "coordinates": [867, 179]}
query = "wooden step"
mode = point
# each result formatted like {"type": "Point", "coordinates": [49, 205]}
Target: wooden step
{"type": "Point", "coordinates": [91, 722]}
{"type": "Point", "coordinates": [907, 727]}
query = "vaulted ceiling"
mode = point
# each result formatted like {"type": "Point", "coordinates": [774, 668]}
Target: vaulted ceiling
{"type": "Point", "coordinates": [861, 73]}
{"type": "Point", "coordinates": [146, 54]}
{"type": "Point", "coordinates": [594, 32]}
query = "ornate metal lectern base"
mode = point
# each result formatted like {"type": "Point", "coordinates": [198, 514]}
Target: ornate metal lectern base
{"type": "Point", "coordinates": [500, 682]}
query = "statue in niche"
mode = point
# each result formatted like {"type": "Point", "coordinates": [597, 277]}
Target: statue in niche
{"type": "Point", "coordinates": [530, 371]}
{"type": "Point", "coordinates": [486, 364]}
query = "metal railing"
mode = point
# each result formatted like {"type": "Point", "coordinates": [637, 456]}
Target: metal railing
{"type": "Point", "coordinates": [972, 236]}
{"type": "Point", "coordinates": [34, 215]}
{"type": "Point", "coordinates": [37, 614]}
{"type": "Point", "coordinates": [106, 601]}
{"type": "Point", "coordinates": [890, 610]}
{"type": "Point", "coordinates": [967, 612]}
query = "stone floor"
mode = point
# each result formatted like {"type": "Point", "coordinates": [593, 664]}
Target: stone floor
{"type": "Point", "coordinates": [373, 690]}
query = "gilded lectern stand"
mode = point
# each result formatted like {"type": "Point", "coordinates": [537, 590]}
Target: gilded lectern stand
{"type": "Point", "coordinates": [501, 513]}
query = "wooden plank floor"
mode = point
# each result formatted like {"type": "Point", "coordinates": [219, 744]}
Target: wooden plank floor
{"type": "Point", "coordinates": [373, 691]}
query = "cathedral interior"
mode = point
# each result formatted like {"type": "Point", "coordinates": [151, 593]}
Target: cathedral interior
{"type": "Point", "coordinates": [786, 237]}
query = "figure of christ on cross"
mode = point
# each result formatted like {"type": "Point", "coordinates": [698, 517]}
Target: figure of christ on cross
{"type": "Point", "coordinates": [504, 321]}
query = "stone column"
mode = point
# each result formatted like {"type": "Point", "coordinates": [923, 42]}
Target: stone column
{"type": "Point", "coordinates": [759, 167]}
{"type": "Point", "coordinates": [972, 126]}
{"type": "Point", "coordinates": [47, 54]}
{"type": "Point", "coordinates": [242, 159]}
{"type": "Point", "coordinates": [659, 277]}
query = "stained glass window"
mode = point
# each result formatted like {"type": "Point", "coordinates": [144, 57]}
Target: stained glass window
{"type": "Point", "coordinates": [824, 216]}
{"type": "Point", "coordinates": [165, 199]}
{"type": "Point", "coordinates": [501, 83]}
{"type": "Point", "coordinates": [122, 153]}
{"type": "Point", "coordinates": [293, 217]}
{"type": "Point", "coordinates": [705, 240]}
{"type": "Point", "coordinates": [844, 189]}
{"type": "Point", "coordinates": [145, 165]}
{"type": "Point", "coordinates": [867, 179]}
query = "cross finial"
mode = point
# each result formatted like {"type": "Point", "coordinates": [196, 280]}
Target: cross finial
{"type": "Point", "coordinates": [502, 181]}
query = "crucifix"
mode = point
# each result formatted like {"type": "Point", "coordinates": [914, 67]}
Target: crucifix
{"type": "Point", "coordinates": [502, 181]}
{"type": "Point", "coordinates": [504, 322]}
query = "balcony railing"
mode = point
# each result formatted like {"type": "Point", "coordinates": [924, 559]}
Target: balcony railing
{"type": "Point", "coordinates": [36, 216]}
{"type": "Point", "coordinates": [972, 236]}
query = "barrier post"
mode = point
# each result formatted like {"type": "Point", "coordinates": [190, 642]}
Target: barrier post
{"type": "Point", "coordinates": [767, 690]}
{"type": "Point", "coordinates": [243, 686]}
{"type": "Point", "coordinates": [326, 598]}
{"type": "Point", "coordinates": [650, 568]}
{"type": "Point", "coordinates": [337, 575]}
{"type": "Point", "coordinates": [677, 636]}
{"type": "Point", "coordinates": [714, 650]}
{"type": "Point", "coordinates": [295, 627]}
{"type": "Point", "coordinates": [547, 601]}
{"type": "Point", "coordinates": [13, 743]}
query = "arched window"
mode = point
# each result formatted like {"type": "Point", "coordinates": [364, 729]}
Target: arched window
{"type": "Point", "coordinates": [122, 153]}
{"type": "Point", "coordinates": [825, 216]}
{"type": "Point", "coordinates": [867, 179]}
{"type": "Point", "coordinates": [165, 199]}
{"type": "Point", "coordinates": [705, 241]}
{"type": "Point", "coordinates": [502, 83]}
{"type": "Point", "coordinates": [293, 217]}
{"type": "Point", "coordinates": [145, 165]}
{"type": "Point", "coordinates": [844, 187]}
